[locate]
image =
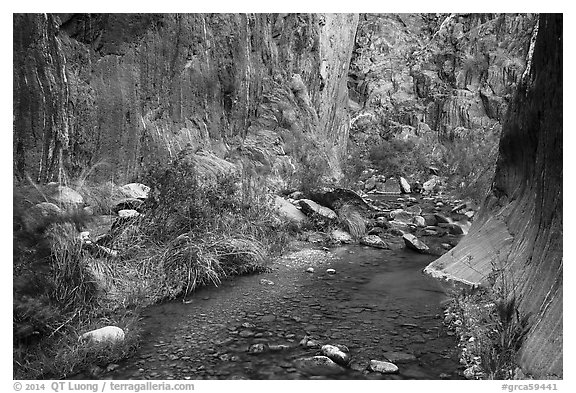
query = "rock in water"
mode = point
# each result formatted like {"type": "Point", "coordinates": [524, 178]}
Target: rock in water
{"type": "Point", "coordinates": [430, 219]}
{"type": "Point", "coordinates": [404, 185]}
{"type": "Point", "coordinates": [319, 365]}
{"type": "Point", "coordinates": [135, 190]}
{"type": "Point", "coordinates": [454, 228]}
{"type": "Point", "coordinates": [401, 216]}
{"type": "Point", "coordinates": [415, 210]}
{"type": "Point", "coordinates": [382, 367]}
{"type": "Point", "coordinates": [311, 207]}
{"type": "Point", "coordinates": [107, 334]}
{"type": "Point", "coordinates": [399, 225]}
{"type": "Point", "coordinates": [336, 354]}
{"type": "Point", "coordinates": [373, 241]}
{"type": "Point", "coordinates": [370, 184]}
{"type": "Point", "coordinates": [430, 184]}
{"type": "Point", "coordinates": [391, 186]}
{"type": "Point", "coordinates": [257, 348]}
{"type": "Point", "coordinates": [414, 243]}
{"type": "Point", "coordinates": [441, 219]}
{"type": "Point", "coordinates": [419, 221]}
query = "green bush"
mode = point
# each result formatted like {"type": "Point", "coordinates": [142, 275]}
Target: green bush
{"type": "Point", "coordinates": [396, 157]}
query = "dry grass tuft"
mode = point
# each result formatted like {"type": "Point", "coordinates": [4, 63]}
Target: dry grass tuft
{"type": "Point", "coordinates": [352, 220]}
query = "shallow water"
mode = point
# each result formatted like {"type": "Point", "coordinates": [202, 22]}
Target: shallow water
{"type": "Point", "coordinates": [378, 302]}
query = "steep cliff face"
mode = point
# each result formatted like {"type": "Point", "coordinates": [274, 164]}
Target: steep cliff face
{"type": "Point", "coordinates": [41, 95]}
{"type": "Point", "coordinates": [445, 73]}
{"type": "Point", "coordinates": [520, 228]}
{"type": "Point", "coordinates": [133, 90]}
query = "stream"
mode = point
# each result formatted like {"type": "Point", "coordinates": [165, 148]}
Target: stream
{"type": "Point", "coordinates": [378, 303]}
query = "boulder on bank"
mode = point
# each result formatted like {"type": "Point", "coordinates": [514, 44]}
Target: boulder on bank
{"type": "Point", "coordinates": [310, 207]}
{"type": "Point", "coordinates": [128, 213]}
{"type": "Point", "coordinates": [289, 211]}
{"type": "Point", "coordinates": [135, 190]}
{"type": "Point", "coordinates": [336, 198]}
{"type": "Point", "coordinates": [127, 204]}
{"type": "Point", "coordinates": [107, 334]}
{"type": "Point", "coordinates": [63, 196]}
{"type": "Point", "coordinates": [414, 243]}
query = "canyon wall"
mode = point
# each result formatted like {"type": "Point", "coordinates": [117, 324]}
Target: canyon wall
{"type": "Point", "coordinates": [519, 231]}
{"type": "Point", "coordinates": [120, 93]}
{"type": "Point", "coordinates": [431, 78]}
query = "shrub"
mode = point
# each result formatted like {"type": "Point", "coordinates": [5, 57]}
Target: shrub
{"type": "Point", "coordinates": [396, 157]}
{"type": "Point", "coordinates": [353, 166]}
{"type": "Point", "coordinates": [73, 285]}
{"type": "Point", "coordinates": [202, 229]}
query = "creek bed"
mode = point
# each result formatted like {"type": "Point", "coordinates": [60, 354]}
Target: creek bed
{"type": "Point", "coordinates": [378, 303]}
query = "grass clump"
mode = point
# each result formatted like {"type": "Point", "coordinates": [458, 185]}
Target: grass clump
{"type": "Point", "coordinates": [200, 228]}
{"type": "Point", "coordinates": [352, 221]}
{"type": "Point", "coordinates": [55, 299]}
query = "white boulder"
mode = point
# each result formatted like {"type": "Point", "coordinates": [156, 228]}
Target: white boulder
{"type": "Point", "coordinates": [382, 367]}
{"type": "Point", "coordinates": [135, 190]}
{"type": "Point", "coordinates": [107, 334]}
